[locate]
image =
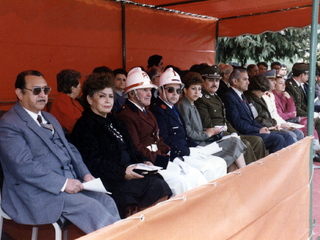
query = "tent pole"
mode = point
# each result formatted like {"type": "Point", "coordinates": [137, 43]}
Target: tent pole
{"type": "Point", "coordinates": [123, 35]}
{"type": "Point", "coordinates": [313, 53]}
{"type": "Point", "coordinates": [217, 44]}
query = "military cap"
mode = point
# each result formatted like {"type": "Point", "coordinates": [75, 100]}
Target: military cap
{"type": "Point", "coordinates": [300, 68]}
{"type": "Point", "coordinates": [211, 72]}
{"type": "Point", "coordinates": [270, 74]}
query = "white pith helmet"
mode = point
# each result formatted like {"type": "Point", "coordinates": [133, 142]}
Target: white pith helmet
{"type": "Point", "coordinates": [170, 77]}
{"type": "Point", "coordinates": [137, 79]}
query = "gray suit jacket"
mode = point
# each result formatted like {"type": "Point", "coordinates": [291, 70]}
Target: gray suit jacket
{"type": "Point", "coordinates": [192, 119]}
{"type": "Point", "coordinates": [33, 172]}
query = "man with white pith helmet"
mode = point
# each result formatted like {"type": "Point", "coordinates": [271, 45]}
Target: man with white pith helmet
{"type": "Point", "coordinates": [173, 130]}
{"type": "Point", "coordinates": [144, 131]}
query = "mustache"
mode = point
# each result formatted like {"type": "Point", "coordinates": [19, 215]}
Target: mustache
{"type": "Point", "coordinates": [41, 100]}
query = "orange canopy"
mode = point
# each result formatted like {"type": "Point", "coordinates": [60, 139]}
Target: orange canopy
{"type": "Point", "coordinates": [245, 16]}
{"type": "Point", "coordinates": [49, 36]}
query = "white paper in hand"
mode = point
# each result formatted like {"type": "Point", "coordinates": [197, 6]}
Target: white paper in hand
{"type": "Point", "coordinates": [95, 186]}
{"type": "Point", "coordinates": [295, 125]}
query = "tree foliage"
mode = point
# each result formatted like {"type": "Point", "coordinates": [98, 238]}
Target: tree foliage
{"type": "Point", "coordinates": [268, 47]}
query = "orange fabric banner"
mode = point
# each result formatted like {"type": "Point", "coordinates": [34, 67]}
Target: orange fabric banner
{"type": "Point", "coordinates": [49, 36]}
{"type": "Point", "coordinates": [268, 199]}
{"type": "Point", "coordinates": [181, 40]}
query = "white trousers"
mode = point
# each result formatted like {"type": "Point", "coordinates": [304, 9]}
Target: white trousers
{"type": "Point", "coordinates": [211, 167]}
{"type": "Point", "coordinates": [182, 180]}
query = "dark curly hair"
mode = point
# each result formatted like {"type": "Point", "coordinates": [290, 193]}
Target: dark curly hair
{"type": "Point", "coordinates": [192, 78]}
{"type": "Point", "coordinates": [259, 82]}
{"type": "Point", "coordinates": [66, 79]}
{"type": "Point", "coordinates": [96, 82]}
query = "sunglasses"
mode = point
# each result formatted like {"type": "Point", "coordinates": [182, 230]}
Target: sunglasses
{"type": "Point", "coordinates": [37, 90]}
{"type": "Point", "coordinates": [172, 89]}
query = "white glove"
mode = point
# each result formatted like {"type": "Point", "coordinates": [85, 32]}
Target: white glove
{"type": "Point", "coordinates": [234, 134]}
{"type": "Point", "coordinates": [315, 115]}
{"type": "Point", "coordinates": [195, 151]}
{"type": "Point", "coordinates": [184, 166]}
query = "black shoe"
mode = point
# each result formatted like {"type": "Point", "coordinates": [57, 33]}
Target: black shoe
{"type": "Point", "coordinates": [316, 159]}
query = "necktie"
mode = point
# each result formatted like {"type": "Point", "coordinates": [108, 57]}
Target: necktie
{"type": "Point", "coordinates": [175, 111]}
{"type": "Point", "coordinates": [243, 100]}
{"type": "Point", "coordinates": [44, 125]}
{"type": "Point", "coordinates": [305, 95]}
{"type": "Point", "coordinates": [145, 111]}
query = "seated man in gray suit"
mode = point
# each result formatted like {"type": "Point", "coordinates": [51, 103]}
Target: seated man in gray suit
{"type": "Point", "coordinates": [42, 171]}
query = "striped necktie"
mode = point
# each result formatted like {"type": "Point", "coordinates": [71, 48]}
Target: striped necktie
{"type": "Point", "coordinates": [44, 125]}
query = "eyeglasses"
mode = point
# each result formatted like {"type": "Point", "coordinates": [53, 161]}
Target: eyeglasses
{"type": "Point", "coordinates": [37, 90]}
{"type": "Point", "coordinates": [172, 89]}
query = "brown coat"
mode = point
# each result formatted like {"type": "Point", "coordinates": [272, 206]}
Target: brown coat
{"type": "Point", "coordinates": [144, 131]}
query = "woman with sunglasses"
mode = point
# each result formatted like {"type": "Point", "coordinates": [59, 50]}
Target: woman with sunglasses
{"type": "Point", "coordinates": [65, 107]}
{"type": "Point", "coordinates": [108, 150]}
{"type": "Point", "coordinates": [232, 148]}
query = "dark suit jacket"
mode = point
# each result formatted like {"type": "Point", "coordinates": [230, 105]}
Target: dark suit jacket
{"type": "Point", "coordinates": [239, 114]}
{"type": "Point", "coordinates": [223, 88]}
{"type": "Point", "coordinates": [118, 103]}
{"type": "Point", "coordinates": [33, 172]}
{"type": "Point", "coordinates": [297, 95]}
{"type": "Point", "coordinates": [144, 131]}
{"type": "Point", "coordinates": [172, 130]}
{"type": "Point", "coordinates": [305, 96]}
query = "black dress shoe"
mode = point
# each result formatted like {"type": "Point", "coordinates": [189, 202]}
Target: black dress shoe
{"type": "Point", "coordinates": [316, 159]}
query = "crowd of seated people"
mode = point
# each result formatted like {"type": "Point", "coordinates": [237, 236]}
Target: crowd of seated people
{"type": "Point", "coordinates": [144, 130]}
{"type": "Point", "coordinates": [232, 148]}
{"type": "Point", "coordinates": [196, 125]}
{"type": "Point", "coordinates": [108, 150]}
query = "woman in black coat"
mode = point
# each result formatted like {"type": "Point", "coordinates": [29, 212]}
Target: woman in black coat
{"type": "Point", "coordinates": [108, 150]}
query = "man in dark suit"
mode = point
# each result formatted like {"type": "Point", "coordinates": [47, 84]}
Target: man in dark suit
{"type": "Point", "coordinates": [42, 171]}
{"type": "Point", "coordinates": [240, 116]}
{"type": "Point", "coordinates": [120, 82]}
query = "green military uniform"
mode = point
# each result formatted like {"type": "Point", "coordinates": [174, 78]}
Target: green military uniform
{"type": "Point", "coordinates": [212, 113]}
{"type": "Point", "coordinates": [296, 93]}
